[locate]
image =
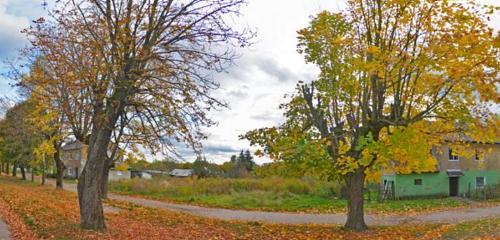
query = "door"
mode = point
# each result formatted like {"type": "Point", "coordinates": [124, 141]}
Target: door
{"type": "Point", "coordinates": [453, 186]}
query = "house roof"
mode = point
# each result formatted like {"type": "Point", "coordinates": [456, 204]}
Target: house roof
{"type": "Point", "coordinates": [75, 145]}
{"type": "Point", "coordinates": [461, 137]}
{"type": "Point", "coordinates": [181, 172]}
{"type": "Point", "coordinates": [72, 145]}
{"type": "Point", "coordinates": [156, 171]}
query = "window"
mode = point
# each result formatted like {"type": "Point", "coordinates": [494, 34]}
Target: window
{"type": "Point", "coordinates": [451, 156]}
{"type": "Point", "coordinates": [70, 173]}
{"type": "Point", "coordinates": [418, 181]}
{"type": "Point", "coordinates": [480, 182]}
{"type": "Point", "coordinates": [479, 155]}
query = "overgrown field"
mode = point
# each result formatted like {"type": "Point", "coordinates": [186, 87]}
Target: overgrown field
{"type": "Point", "coordinates": [269, 194]}
{"type": "Point", "coordinates": [44, 213]}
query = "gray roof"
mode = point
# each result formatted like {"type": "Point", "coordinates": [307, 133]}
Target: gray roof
{"type": "Point", "coordinates": [72, 145]}
{"type": "Point", "coordinates": [155, 171]}
{"type": "Point", "coordinates": [181, 172]}
{"type": "Point", "coordinates": [454, 172]}
{"type": "Point", "coordinates": [461, 137]}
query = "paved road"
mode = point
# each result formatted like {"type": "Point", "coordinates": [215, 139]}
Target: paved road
{"type": "Point", "coordinates": [450, 216]}
{"type": "Point", "coordinates": [4, 231]}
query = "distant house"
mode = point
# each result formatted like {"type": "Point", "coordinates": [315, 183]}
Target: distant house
{"type": "Point", "coordinates": [119, 175]}
{"type": "Point", "coordinates": [144, 174]}
{"type": "Point", "coordinates": [74, 157]}
{"type": "Point", "coordinates": [454, 175]}
{"type": "Point", "coordinates": [181, 173]}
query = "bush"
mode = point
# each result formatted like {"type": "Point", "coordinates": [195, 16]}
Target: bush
{"type": "Point", "coordinates": [486, 193]}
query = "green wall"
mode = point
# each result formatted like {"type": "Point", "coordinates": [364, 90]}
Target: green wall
{"type": "Point", "coordinates": [437, 184]}
{"type": "Point", "coordinates": [433, 184]}
{"type": "Point", "coordinates": [468, 181]}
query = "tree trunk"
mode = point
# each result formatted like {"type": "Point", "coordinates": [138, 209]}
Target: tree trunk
{"type": "Point", "coordinates": [59, 168]}
{"type": "Point", "coordinates": [14, 170]}
{"type": "Point", "coordinates": [89, 183]}
{"type": "Point", "coordinates": [104, 180]}
{"type": "Point", "coordinates": [43, 169]}
{"type": "Point", "coordinates": [355, 214]}
{"type": "Point", "coordinates": [7, 169]}
{"type": "Point", "coordinates": [23, 173]}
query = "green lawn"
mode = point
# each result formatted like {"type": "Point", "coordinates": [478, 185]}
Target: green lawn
{"type": "Point", "coordinates": [289, 195]}
{"type": "Point", "coordinates": [264, 201]}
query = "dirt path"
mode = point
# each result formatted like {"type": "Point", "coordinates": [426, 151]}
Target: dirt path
{"type": "Point", "coordinates": [449, 216]}
{"type": "Point", "coordinates": [4, 231]}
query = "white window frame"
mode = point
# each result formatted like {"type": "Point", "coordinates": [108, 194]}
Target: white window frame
{"type": "Point", "coordinates": [484, 181]}
{"type": "Point", "coordinates": [452, 155]}
{"type": "Point", "coordinates": [70, 171]}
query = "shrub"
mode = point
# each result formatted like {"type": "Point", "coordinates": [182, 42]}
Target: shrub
{"type": "Point", "coordinates": [486, 193]}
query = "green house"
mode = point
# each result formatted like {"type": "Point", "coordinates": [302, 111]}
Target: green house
{"type": "Point", "coordinates": [454, 176]}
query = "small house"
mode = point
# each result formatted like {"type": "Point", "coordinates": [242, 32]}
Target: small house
{"type": "Point", "coordinates": [115, 175]}
{"type": "Point", "coordinates": [181, 173]}
{"type": "Point", "coordinates": [74, 157]}
{"type": "Point", "coordinates": [144, 174]}
{"type": "Point", "coordinates": [454, 175]}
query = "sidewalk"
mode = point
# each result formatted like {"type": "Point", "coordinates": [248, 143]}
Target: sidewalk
{"type": "Point", "coordinates": [4, 231]}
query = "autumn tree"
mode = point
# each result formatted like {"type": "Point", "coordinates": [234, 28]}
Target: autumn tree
{"type": "Point", "coordinates": [396, 78]}
{"type": "Point", "coordinates": [203, 169]}
{"type": "Point", "coordinates": [241, 165]}
{"type": "Point", "coordinates": [144, 68]}
{"type": "Point", "coordinates": [50, 123]}
{"type": "Point", "coordinates": [62, 109]}
{"type": "Point", "coordinates": [19, 137]}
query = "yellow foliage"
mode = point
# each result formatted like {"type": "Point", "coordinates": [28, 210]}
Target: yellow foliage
{"type": "Point", "coordinates": [121, 167]}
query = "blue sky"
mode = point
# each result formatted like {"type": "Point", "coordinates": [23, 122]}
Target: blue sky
{"type": "Point", "coordinates": [14, 16]}
{"type": "Point", "coordinates": [254, 88]}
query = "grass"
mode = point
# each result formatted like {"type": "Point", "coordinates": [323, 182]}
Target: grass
{"type": "Point", "coordinates": [53, 214]}
{"type": "Point", "coordinates": [415, 205]}
{"type": "Point", "coordinates": [273, 194]}
{"type": "Point", "coordinates": [270, 201]}
{"type": "Point", "coordinates": [487, 228]}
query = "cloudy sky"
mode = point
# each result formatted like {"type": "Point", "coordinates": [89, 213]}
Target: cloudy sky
{"type": "Point", "coordinates": [254, 87]}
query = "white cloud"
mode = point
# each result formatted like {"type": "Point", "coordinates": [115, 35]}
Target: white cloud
{"type": "Point", "coordinates": [15, 15]}
{"type": "Point", "coordinates": [271, 68]}
{"type": "Point", "coordinates": [10, 27]}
